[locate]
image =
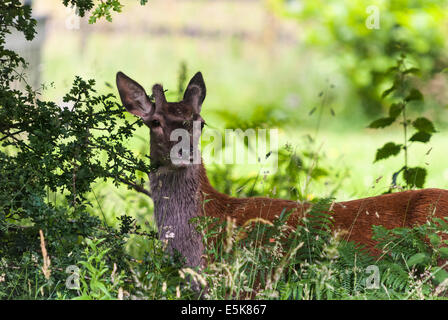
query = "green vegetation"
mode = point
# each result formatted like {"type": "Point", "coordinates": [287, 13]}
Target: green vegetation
{"type": "Point", "coordinates": [413, 176]}
{"type": "Point", "coordinates": [74, 173]}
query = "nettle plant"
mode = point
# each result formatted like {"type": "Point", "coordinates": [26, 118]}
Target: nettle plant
{"type": "Point", "coordinates": [422, 129]}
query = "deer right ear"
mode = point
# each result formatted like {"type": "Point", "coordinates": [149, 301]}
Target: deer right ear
{"type": "Point", "coordinates": [195, 92]}
{"type": "Point", "coordinates": [133, 96]}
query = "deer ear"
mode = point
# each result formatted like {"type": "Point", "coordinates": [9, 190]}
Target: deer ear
{"type": "Point", "coordinates": [195, 92]}
{"type": "Point", "coordinates": [133, 96]}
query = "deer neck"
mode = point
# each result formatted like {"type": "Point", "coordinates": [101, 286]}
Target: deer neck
{"type": "Point", "coordinates": [177, 199]}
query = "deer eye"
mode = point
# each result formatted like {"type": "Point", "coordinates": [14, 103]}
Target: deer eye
{"type": "Point", "coordinates": [186, 124]}
{"type": "Point", "coordinates": [154, 123]}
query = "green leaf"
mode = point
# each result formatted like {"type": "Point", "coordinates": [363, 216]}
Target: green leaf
{"type": "Point", "coordinates": [412, 70]}
{"type": "Point", "coordinates": [392, 69]}
{"type": "Point", "coordinates": [388, 91]}
{"type": "Point", "coordinates": [424, 124]}
{"type": "Point", "coordinates": [439, 275]}
{"type": "Point", "coordinates": [381, 123]}
{"type": "Point", "coordinates": [83, 297]}
{"type": "Point", "coordinates": [434, 239]}
{"type": "Point", "coordinates": [442, 222]}
{"type": "Point", "coordinates": [395, 110]}
{"type": "Point", "coordinates": [421, 137]}
{"type": "Point", "coordinates": [319, 172]}
{"type": "Point", "coordinates": [388, 150]}
{"type": "Point", "coordinates": [415, 176]}
{"type": "Point", "coordinates": [443, 252]}
{"type": "Point", "coordinates": [417, 258]}
{"type": "Point", "coordinates": [414, 95]}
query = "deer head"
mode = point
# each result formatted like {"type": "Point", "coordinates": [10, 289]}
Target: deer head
{"type": "Point", "coordinates": [175, 127]}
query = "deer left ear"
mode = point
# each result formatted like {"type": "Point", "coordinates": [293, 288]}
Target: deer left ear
{"type": "Point", "coordinates": [196, 91]}
{"type": "Point", "coordinates": [133, 96]}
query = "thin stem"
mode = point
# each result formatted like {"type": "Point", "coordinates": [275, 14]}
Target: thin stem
{"type": "Point", "coordinates": [322, 107]}
{"type": "Point", "coordinates": [405, 120]}
{"type": "Point", "coordinates": [315, 154]}
{"type": "Point", "coordinates": [10, 134]}
{"type": "Point", "coordinates": [405, 130]}
{"type": "Point", "coordinates": [135, 186]}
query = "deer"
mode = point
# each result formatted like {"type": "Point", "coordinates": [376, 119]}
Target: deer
{"type": "Point", "coordinates": [180, 190]}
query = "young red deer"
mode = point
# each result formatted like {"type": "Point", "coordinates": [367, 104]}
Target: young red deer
{"type": "Point", "coordinates": [179, 190]}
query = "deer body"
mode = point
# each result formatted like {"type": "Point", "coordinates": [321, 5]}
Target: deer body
{"type": "Point", "coordinates": [181, 190]}
{"type": "Point", "coordinates": [356, 217]}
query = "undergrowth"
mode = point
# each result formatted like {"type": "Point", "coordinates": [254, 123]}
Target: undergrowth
{"type": "Point", "coordinates": [261, 260]}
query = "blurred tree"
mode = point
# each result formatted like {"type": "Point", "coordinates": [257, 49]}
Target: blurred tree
{"type": "Point", "coordinates": [366, 37]}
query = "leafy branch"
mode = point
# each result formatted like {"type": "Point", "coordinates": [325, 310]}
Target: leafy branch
{"type": "Point", "coordinates": [404, 94]}
{"type": "Point", "coordinates": [103, 9]}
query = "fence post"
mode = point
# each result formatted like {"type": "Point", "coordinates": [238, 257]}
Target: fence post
{"type": "Point", "coordinates": [31, 51]}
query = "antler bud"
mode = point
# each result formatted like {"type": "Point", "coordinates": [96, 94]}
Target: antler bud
{"type": "Point", "coordinates": [159, 95]}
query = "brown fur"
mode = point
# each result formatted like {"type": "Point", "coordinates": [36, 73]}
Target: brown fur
{"type": "Point", "coordinates": [356, 217]}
